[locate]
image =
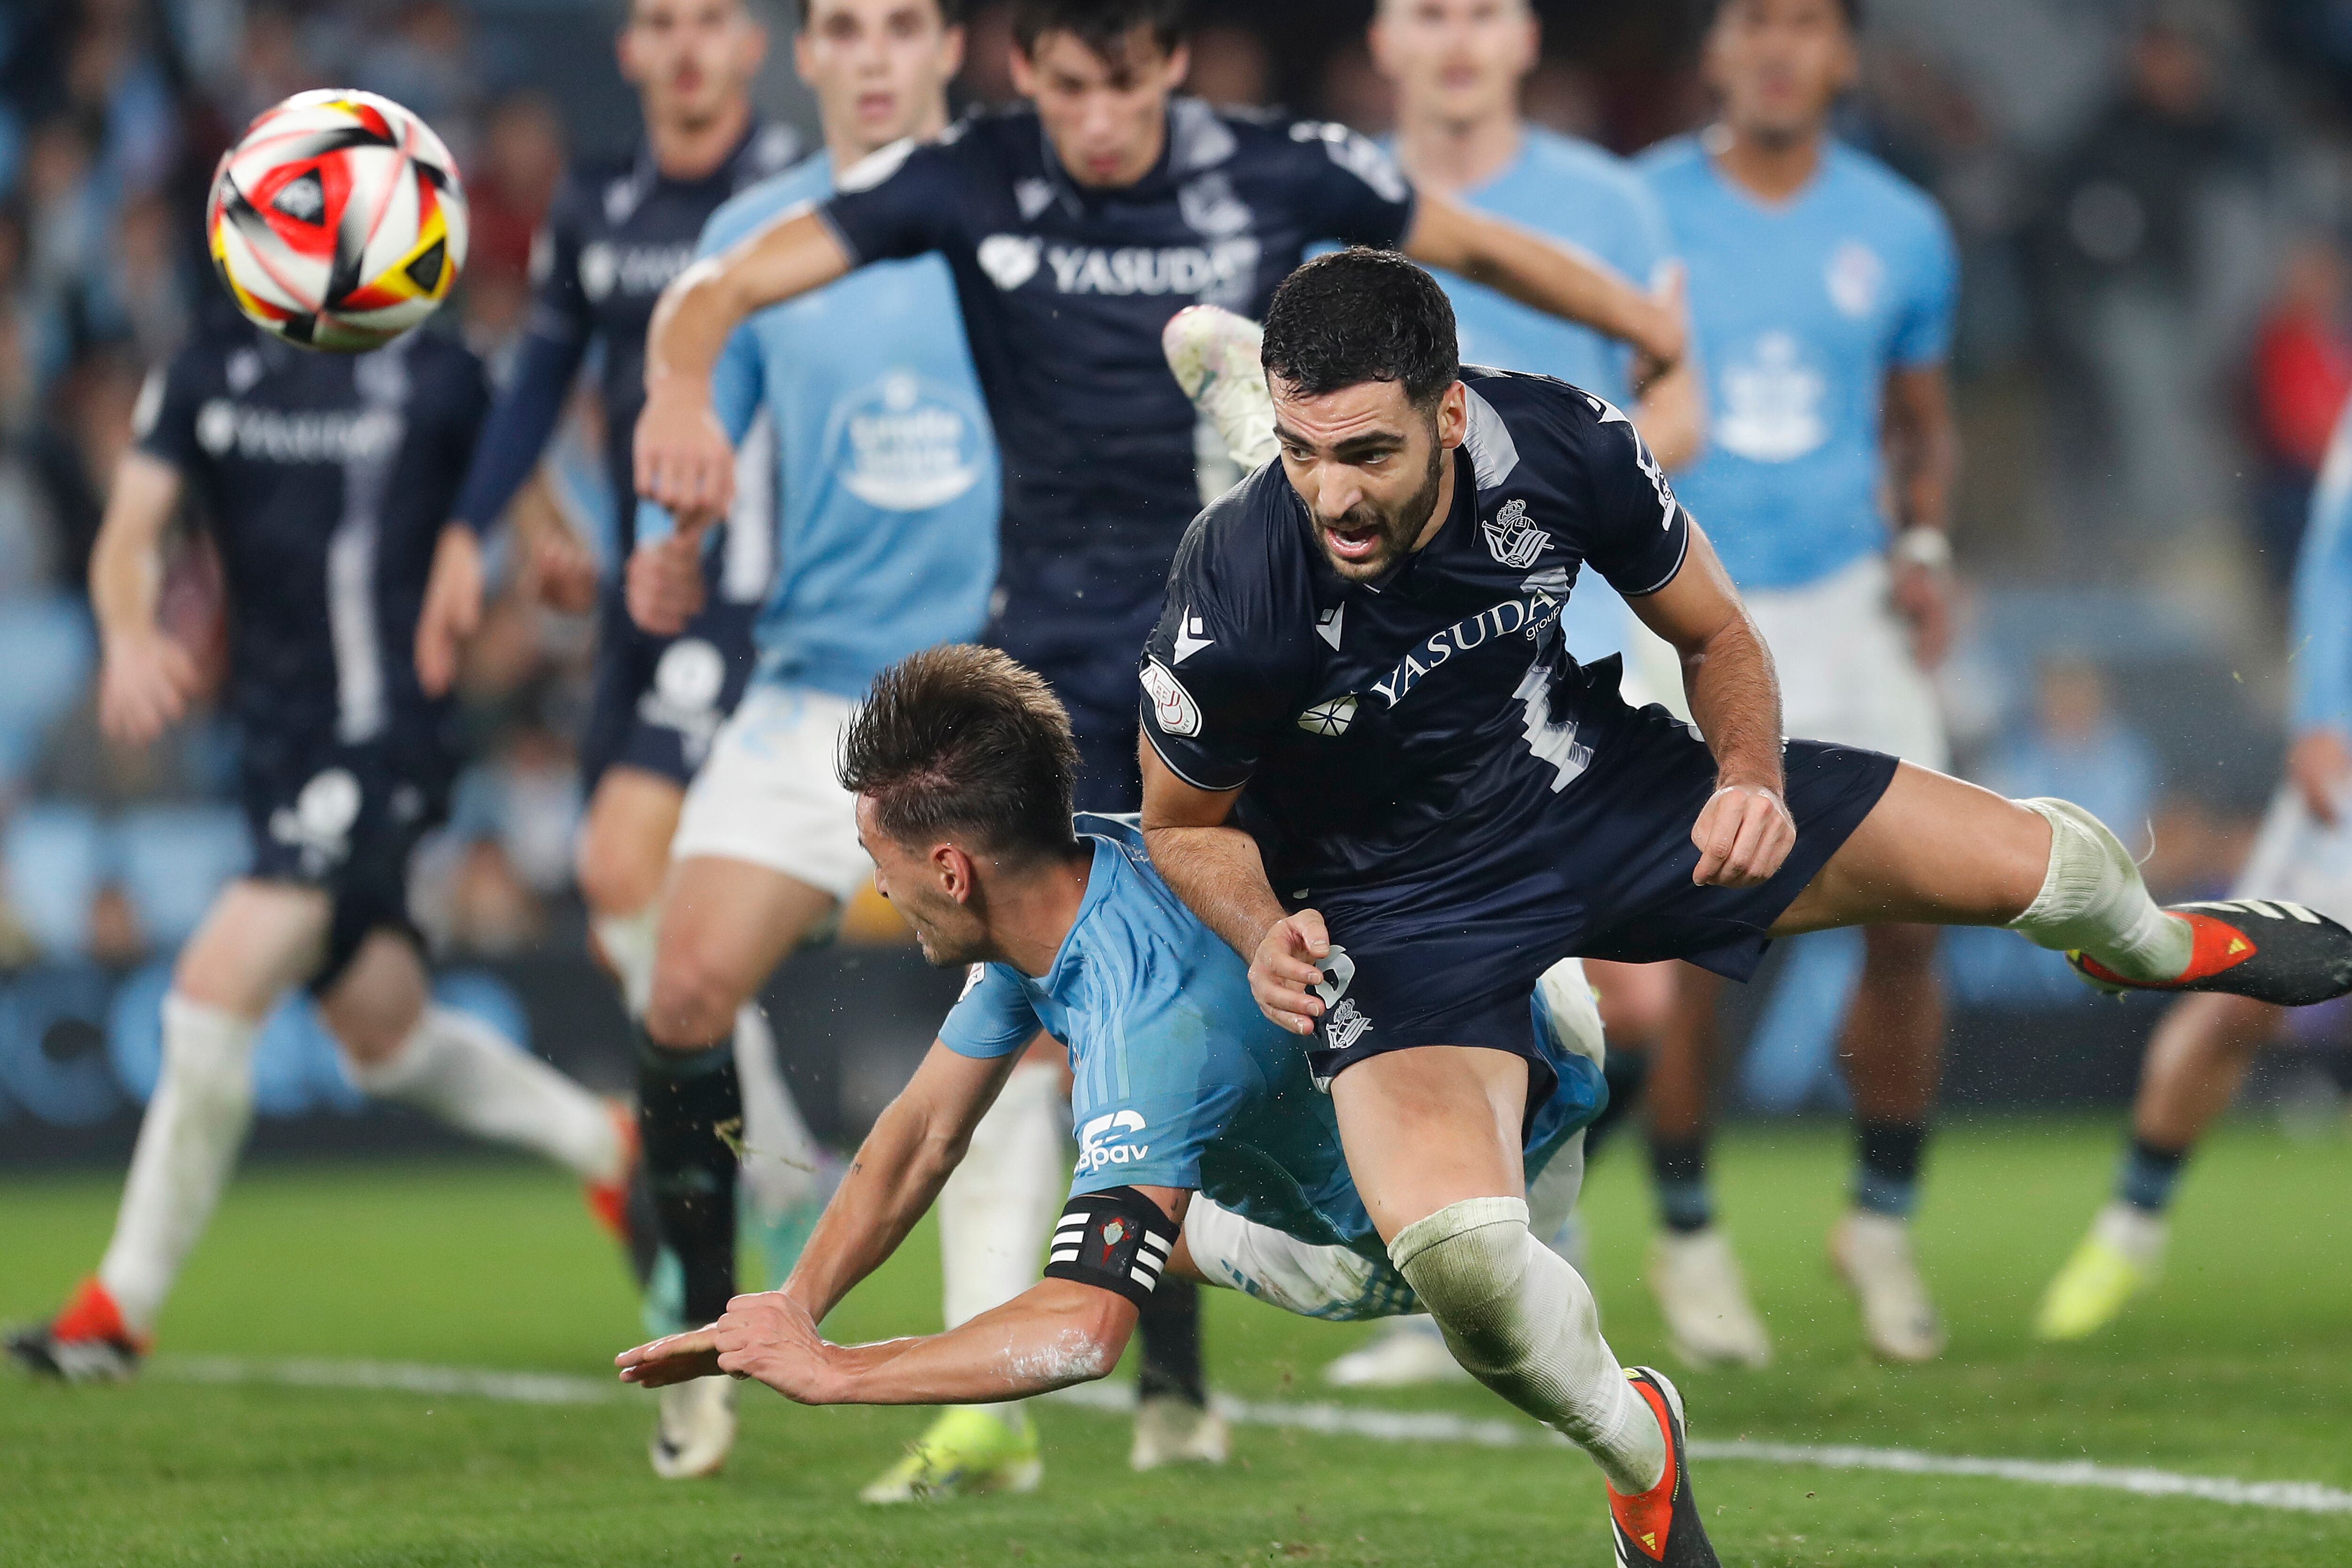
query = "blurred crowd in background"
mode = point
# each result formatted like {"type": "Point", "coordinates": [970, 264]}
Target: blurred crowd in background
{"type": "Point", "coordinates": [2153, 199]}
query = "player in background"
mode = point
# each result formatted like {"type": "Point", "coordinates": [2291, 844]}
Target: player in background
{"type": "Point", "coordinates": [617, 231]}
{"type": "Point", "coordinates": [1210, 1155]}
{"type": "Point", "coordinates": [1821, 289]}
{"type": "Point", "coordinates": [1076, 228]}
{"type": "Point", "coordinates": [856, 407]}
{"type": "Point", "coordinates": [1458, 68]}
{"type": "Point", "coordinates": [323, 479]}
{"type": "Point", "coordinates": [2203, 1046]}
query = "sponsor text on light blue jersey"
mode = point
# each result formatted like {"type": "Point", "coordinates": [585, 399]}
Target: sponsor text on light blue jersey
{"type": "Point", "coordinates": [1799, 311]}
{"type": "Point", "coordinates": [884, 480]}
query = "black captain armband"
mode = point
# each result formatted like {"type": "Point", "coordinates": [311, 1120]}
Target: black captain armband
{"type": "Point", "coordinates": [1118, 1240]}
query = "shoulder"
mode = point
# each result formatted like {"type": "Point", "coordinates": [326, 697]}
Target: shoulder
{"type": "Point", "coordinates": [1311, 145]}
{"type": "Point", "coordinates": [756, 206]}
{"type": "Point", "coordinates": [771, 149]}
{"type": "Point", "coordinates": [1569, 158]}
{"type": "Point", "coordinates": [1677, 164]}
{"type": "Point", "coordinates": [579, 200]}
{"type": "Point", "coordinates": [1884, 194]}
{"type": "Point", "coordinates": [1248, 534]}
{"type": "Point", "coordinates": [1510, 410]}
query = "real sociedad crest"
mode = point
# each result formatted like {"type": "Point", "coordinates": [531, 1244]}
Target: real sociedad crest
{"type": "Point", "coordinates": [1515, 541]}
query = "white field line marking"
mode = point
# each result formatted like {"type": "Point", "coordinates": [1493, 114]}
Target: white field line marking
{"type": "Point", "coordinates": [1339, 1420]}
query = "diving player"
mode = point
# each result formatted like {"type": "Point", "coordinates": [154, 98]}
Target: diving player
{"type": "Point", "coordinates": [1821, 290]}
{"type": "Point", "coordinates": [877, 448]}
{"type": "Point", "coordinates": [2202, 1048]}
{"type": "Point", "coordinates": [1360, 652]}
{"type": "Point", "coordinates": [1074, 229]}
{"type": "Point", "coordinates": [617, 231]}
{"type": "Point", "coordinates": [1457, 66]}
{"type": "Point", "coordinates": [1204, 1150]}
{"type": "Point", "coordinates": [323, 479]}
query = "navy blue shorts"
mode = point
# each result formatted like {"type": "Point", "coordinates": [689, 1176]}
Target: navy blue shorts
{"type": "Point", "coordinates": [345, 819]}
{"type": "Point", "coordinates": [1606, 872]}
{"type": "Point", "coordinates": [658, 701]}
{"type": "Point", "coordinates": [1079, 618]}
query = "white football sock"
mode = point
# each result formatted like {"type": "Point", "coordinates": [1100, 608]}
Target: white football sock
{"type": "Point", "coordinates": [780, 1158]}
{"type": "Point", "coordinates": [460, 1068]}
{"type": "Point", "coordinates": [1525, 1324]}
{"type": "Point", "coordinates": [188, 1142]}
{"type": "Point", "coordinates": [1000, 1206]}
{"type": "Point", "coordinates": [2093, 901]}
{"type": "Point", "coordinates": [629, 941]}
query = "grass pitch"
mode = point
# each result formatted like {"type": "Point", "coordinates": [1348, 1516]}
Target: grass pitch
{"type": "Point", "coordinates": [2237, 1367]}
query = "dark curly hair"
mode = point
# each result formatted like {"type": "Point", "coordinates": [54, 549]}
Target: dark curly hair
{"type": "Point", "coordinates": [1362, 315]}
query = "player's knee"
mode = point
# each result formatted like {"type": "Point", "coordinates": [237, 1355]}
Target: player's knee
{"type": "Point", "coordinates": [619, 873]}
{"type": "Point", "coordinates": [692, 1003]}
{"type": "Point", "coordinates": [1470, 1263]}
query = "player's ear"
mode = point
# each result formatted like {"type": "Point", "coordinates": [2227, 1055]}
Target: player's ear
{"type": "Point", "coordinates": [754, 51]}
{"type": "Point", "coordinates": [1178, 66]}
{"type": "Point", "coordinates": [951, 43]}
{"type": "Point", "coordinates": [952, 867]}
{"type": "Point", "coordinates": [1453, 417]}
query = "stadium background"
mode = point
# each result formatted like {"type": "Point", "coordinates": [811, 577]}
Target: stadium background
{"type": "Point", "coordinates": [2155, 334]}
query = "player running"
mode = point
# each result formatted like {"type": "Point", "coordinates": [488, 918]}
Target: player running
{"type": "Point", "coordinates": [1822, 291]}
{"type": "Point", "coordinates": [878, 452]}
{"type": "Point", "coordinates": [1205, 1152]}
{"type": "Point", "coordinates": [618, 230]}
{"type": "Point", "coordinates": [1458, 66]}
{"type": "Point", "coordinates": [2202, 1048]}
{"type": "Point", "coordinates": [1075, 228]}
{"type": "Point", "coordinates": [1361, 650]}
{"type": "Point", "coordinates": [324, 478]}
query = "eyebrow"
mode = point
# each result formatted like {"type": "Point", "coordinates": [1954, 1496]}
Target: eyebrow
{"type": "Point", "coordinates": [1355, 445]}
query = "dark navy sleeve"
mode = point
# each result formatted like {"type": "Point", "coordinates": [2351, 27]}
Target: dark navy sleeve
{"type": "Point", "coordinates": [1636, 533]}
{"type": "Point", "coordinates": [898, 204]}
{"type": "Point", "coordinates": [163, 422]}
{"type": "Point", "coordinates": [1218, 672]}
{"type": "Point", "coordinates": [1350, 190]}
{"type": "Point", "coordinates": [555, 339]}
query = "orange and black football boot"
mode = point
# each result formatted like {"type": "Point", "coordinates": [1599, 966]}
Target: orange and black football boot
{"type": "Point", "coordinates": [87, 1342]}
{"type": "Point", "coordinates": [1660, 1528]}
{"type": "Point", "coordinates": [2263, 948]}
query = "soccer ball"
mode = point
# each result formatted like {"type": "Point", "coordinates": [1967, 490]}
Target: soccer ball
{"type": "Point", "coordinates": [337, 221]}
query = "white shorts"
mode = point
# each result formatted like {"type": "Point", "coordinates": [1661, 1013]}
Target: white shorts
{"type": "Point", "coordinates": [2300, 859]}
{"type": "Point", "coordinates": [1339, 1283]}
{"type": "Point", "coordinates": [769, 795]}
{"type": "Point", "coordinates": [1846, 673]}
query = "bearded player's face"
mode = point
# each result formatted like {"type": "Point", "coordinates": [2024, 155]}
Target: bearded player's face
{"type": "Point", "coordinates": [1370, 464]}
{"type": "Point", "coordinates": [922, 887]}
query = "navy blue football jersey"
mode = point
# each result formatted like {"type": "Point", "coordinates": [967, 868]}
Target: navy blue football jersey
{"type": "Point", "coordinates": [1393, 729]}
{"type": "Point", "coordinates": [616, 233]}
{"type": "Point", "coordinates": [1065, 287]}
{"type": "Point", "coordinates": [325, 479]}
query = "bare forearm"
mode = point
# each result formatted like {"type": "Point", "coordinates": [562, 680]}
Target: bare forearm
{"type": "Point", "coordinates": [1734, 700]}
{"type": "Point", "coordinates": [893, 1180]}
{"type": "Point", "coordinates": [126, 563]}
{"type": "Point", "coordinates": [1671, 417]}
{"type": "Point", "coordinates": [1029, 1345]}
{"type": "Point", "coordinates": [1922, 446]}
{"type": "Point", "coordinates": [1220, 877]}
{"type": "Point", "coordinates": [698, 312]}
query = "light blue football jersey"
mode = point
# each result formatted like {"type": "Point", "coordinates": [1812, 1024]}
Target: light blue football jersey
{"type": "Point", "coordinates": [1177, 1079]}
{"type": "Point", "coordinates": [885, 481]}
{"type": "Point", "coordinates": [1595, 203]}
{"type": "Point", "coordinates": [2319, 637]}
{"type": "Point", "coordinates": [1799, 310]}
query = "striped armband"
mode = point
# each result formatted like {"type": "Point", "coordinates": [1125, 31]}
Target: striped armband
{"type": "Point", "coordinates": [1118, 1240]}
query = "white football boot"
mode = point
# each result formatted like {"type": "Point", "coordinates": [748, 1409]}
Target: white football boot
{"type": "Point", "coordinates": [694, 1430]}
{"type": "Point", "coordinates": [1407, 1351]}
{"type": "Point", "coordinates": [1172, 1431]}
{"type": "Point", "coordinates": [1214, 355]}
{"type": "Point", "coordinates": [1872, 1252]}
{"type": "Point", "coordinates": [1703, 1299]}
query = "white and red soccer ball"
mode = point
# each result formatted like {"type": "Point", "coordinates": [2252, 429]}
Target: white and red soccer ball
{"type": "Point", "coordinates": [338, 222]}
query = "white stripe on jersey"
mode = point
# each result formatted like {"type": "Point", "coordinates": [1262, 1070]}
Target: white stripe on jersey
{"type": "Point", "coordinates": [748, 566]}
{"type": "Point", "coordinates": [362, 707]}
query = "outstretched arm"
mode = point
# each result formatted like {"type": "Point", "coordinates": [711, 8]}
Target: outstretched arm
{"type": "Point", "coordinates": [1745, 831]}
{"type": "Point", "coordinates": [684, 460]}
{"type": "Point", "coordinates": [1056, 1332]}
{"type": "Point", "coordinates": [1547, 278]}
